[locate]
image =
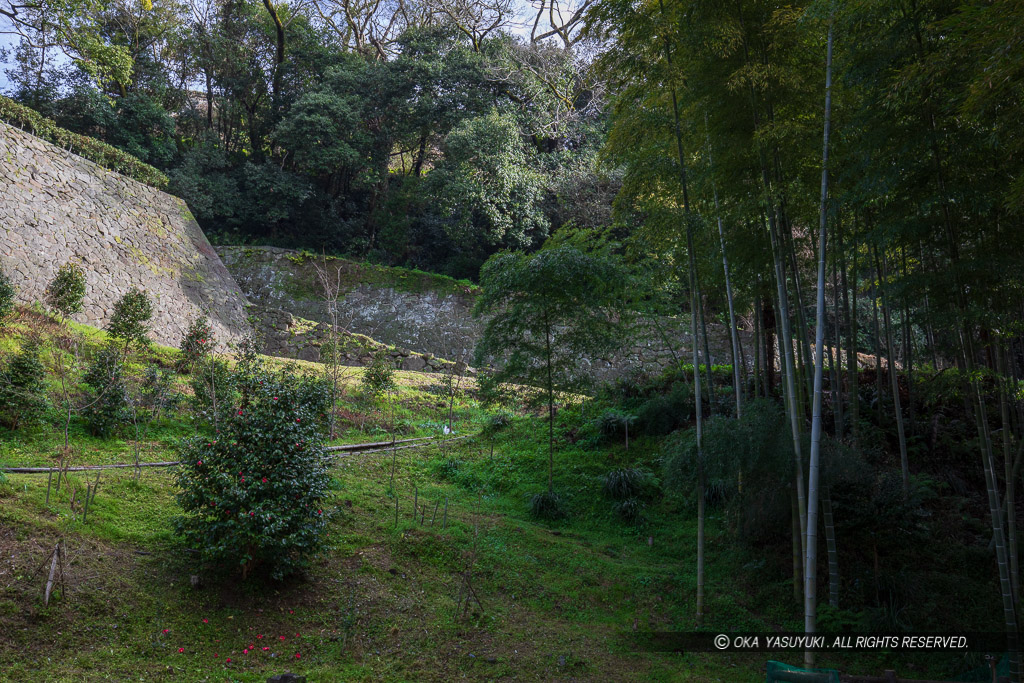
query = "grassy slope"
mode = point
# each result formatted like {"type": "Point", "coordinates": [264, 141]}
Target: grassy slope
{"type": "Point", "coordinates": [380, 604]}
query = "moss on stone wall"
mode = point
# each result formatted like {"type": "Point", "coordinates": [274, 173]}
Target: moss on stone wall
{"type": "Point", "coordinates": [355, 273]}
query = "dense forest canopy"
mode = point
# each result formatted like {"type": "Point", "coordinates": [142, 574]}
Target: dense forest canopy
{"type": "Point", "coordinates": [424, 134]}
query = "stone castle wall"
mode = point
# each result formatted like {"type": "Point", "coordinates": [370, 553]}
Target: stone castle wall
{"type": "Point", "coordinates": [56, 206]}
{"type": "Point", "coordinates": [287, 336]}
{"type": "Point", "coordinates": [412, 315]}
{"type": "Point", "coordinates": [432, 317]}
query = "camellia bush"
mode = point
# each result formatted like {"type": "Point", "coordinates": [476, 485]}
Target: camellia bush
{"type": "Point", "coordinates": [253, 493]}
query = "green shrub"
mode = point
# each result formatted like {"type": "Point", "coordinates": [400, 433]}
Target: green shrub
{"type": "Point", "coordinates": [495, 394]}
{"type": "Point", "coordinates": [98, 152]}
{"type": "Point", "coordinates": [213, 386]}
{"type": "Point", "coordinates": [196, 344]}
{"type": "Point", "coordinates": [496, 423]}
{"type": "Point", "coordinates": [547, 505]}
{"type": "Point", "coordinates": [22, 388]}
{"type": "Point", "coordinates": [446, 468]}
{"type": "Point", "coordinates": [631, 510]}
{"type": "Point", "coordinates": [662, 414]}
{"type": "Point", "coordinates": [614, 423]}
{"type": "Point", "coordinates": [107, 408]}
{"type": "Point", "coordinates": [66, 291]}
{"type": "Point", "coordinates": [629, 482]}
{"type": "Point", "coordinates": [130, 320]}
{"type": "Point", "coordinates": [156, 390]}
{"type": "Point", "coordinates": [7, 292]}
{"type": "Point", "coordinates": [379, 376]}
{"type": "Point", "coordinates": [254, 494]}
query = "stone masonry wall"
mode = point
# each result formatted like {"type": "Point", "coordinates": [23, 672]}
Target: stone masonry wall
{"type": "Point", "coordinates": [413, 315]}
{"type": "Point", "coordinates": [432, 317]}
{"type": "Point", "coordinates": [287, 336]}
{"type": "Point", "coordinates": [56, 206]}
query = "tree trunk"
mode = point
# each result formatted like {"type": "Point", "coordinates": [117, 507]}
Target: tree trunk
{"type": "Point", "coordinates": [878, 349]}
{"type": "Point", "coordinates": [798, 582]}
{"type": "Point", "coordinates": [734, 335]}
{"type": "Point", "coordinates": [694, 311]}
{"type": "Point", "coordinates": [897, 408]}
{"type": "Point", "coordinates": [279, 55]}
{"type": "Point", "coordinates": [551, 412]}
{"type": "Point", "coordinates": [757, 347]}
{"type": "Point", "coordinates": [834, 358]}
{"type": "Point", "coordinates": [833, 555]}
{"type": "Point", "coordinates": [852, 370]}
{"type": "Point", "coordinates": [1011, 477]}
{"type": "Point", "coordinates": [810, 564]}
{"type": "Point", "coordinates": [991, 483]}
{"type": "Point", "coordinates": [792, 406]}
{"type": "Point", "coordinates": [707, 356]}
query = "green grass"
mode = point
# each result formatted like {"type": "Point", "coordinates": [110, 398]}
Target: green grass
{"type": "Point", "coordinates": [380, 602]}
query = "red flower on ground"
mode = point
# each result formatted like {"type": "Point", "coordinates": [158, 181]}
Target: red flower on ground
{"type": "Point", "coordinates": [206, 621]}
{"type": "Point", "coordinates": [259, 636]}
{"type": "Point", "coordinates": [228, 660]}
{"type": "Point", "coordinates": [245, 652]}
{"type": "Point", "coordinates": [264, 480]}
{"type": "Point", "coordinates": [265, 649]}
{"type": "Point", "coordinates": [298, 656]}
{"type": "Point", "coordinates": [166, 630]}
{"type": "Point", "coordinates": [239, 412]}
{"type": "Point", "coordinates": [282, 637]}
{"type": "Point", "coordinates": [180, 650]}
{"type": "Point", "coordinates": [199, 463]}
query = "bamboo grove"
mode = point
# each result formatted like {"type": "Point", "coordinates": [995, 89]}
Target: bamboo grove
{"type": "Point", "coordinates": [843, 179]}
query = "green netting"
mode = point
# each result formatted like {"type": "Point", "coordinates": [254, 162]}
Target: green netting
{"type": "Point", "coordinates": [784, 673]}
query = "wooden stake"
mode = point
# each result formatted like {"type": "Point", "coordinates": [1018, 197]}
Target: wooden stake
{"type": "Point", "coordinates": [88, 496]}
{"type": "Point", "coordinates": [434, 518]}
{"type": "Point", "coordinates": [53, 570]}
